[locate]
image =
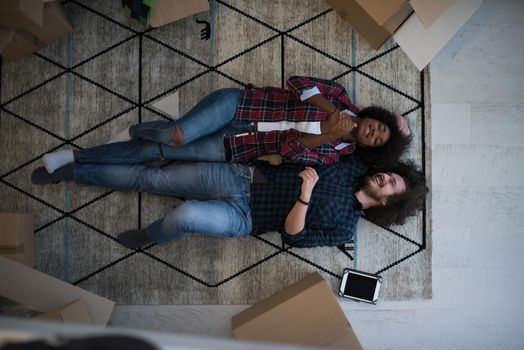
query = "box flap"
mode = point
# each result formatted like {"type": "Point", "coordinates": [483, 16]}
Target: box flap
{"type": "Point", "coordinates": [306, 313]}
{"type": "Point", "coordinates": [71, 312]}
{"type": "Point", "coordinates": [381, 11]}
{"type": "Point", "coordinates": [43, 292]}
{"type": "Point", "coordinates": [421, 44]}
{"type": "Point", "coordinates": [276, 299]}
{"type": "Point", "coordinates": [345, 340]}
{"type": "Point", "coordinates": [19, 13]}
{"type": "Point", "coordinates": [56, 24]}
{"type": "Point", "coordinates": [429, 10]}
{"type": "Point", "coordinates": [167, 11]}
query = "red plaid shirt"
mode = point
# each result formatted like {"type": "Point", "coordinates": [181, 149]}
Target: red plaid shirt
{"type": "Point", "coordinates": [276, 104]}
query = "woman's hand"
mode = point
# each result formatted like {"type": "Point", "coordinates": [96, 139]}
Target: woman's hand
{"type": "Point", "coordinates": [309, 180]}
{"type": "Point", "coordinates": [341, 126]}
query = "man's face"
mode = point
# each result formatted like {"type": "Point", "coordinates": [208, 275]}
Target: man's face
{"type": "Point", "coordinates": [372, 133]}
{"type": "Point", "coordinates": [381, 186]}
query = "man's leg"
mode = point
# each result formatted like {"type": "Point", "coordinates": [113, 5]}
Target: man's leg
{"type": "Point", "coordinates": [219, 218]}
{"type": "Point", "coordinates": [213, 113]}
{"type": "Point", "coordinates": [189, 180]}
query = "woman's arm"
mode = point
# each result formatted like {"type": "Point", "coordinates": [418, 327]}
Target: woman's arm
{"type": "Point", "coordinates": [296, 219]}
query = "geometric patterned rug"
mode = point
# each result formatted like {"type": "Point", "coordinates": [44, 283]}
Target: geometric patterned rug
{"type": "Point", "coordinates": [108, 73]}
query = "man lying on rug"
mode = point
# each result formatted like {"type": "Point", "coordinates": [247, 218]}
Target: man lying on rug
{"type": "Point", "coordinates": [312, 123]}
{"type": "Point", "coordinates": [308, 207]}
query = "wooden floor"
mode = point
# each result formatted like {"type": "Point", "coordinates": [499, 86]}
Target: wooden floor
{"type": "Point", "coordinates": [477, 86]}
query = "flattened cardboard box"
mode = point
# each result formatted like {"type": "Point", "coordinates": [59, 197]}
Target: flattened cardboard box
{"type": "Point", "coordinates": [377, 20]}
{"type": "Point", "coordinates": [75, 312]}
{"type": "Point", "coordinates": [305, 313]}
{"type": "Point", "coordinates": [422, 44]}
{"type": "Point", "coordinates": [17, 236]}
{"type": "Point", "coordinates": [43, 293]}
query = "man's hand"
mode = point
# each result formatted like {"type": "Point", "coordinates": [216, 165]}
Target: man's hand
{"type": "Point", "coordinates": [309, 180]}
{"type": "Point", "coordinates": [402, 124]}
{"type": "Point", "coordinates": [341, 125]}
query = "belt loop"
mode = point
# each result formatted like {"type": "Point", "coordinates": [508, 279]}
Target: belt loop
{"type": "Point", "coordinates": [227, 149]}
{"type": "Point", "coordinates": [161, 152]}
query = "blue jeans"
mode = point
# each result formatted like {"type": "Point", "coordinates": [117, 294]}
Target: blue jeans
{"type": "Point", "coordinates": [211, 114]}
{"type": "Point", "coordinates": [206, 149]}
{"type": "Point", "coordinates": [219, 202]}
{"type": "Point", "coordinates": [206, 125]}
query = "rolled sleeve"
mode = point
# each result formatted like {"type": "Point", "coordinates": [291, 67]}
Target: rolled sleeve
{"type": "Point", "coordinates": [309, 93]}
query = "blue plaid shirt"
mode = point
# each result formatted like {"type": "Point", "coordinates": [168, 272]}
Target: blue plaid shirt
{"type": "Point", "coordinates": [333, 210]}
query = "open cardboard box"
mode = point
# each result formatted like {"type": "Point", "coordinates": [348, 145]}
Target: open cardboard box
{"type": "Point", "coordinates": [55, 24]}
{"type": "Point", "coordinates": [30, 34]}
{"type": "Point", "coordinates": [21, 13]}
{"type": "Point", "coordinates": [377, 20]}
{"type": "Point", "coordinates": [43, 293]}
{"type": "Point", "coordinates": [305, 313]}
{"type": "Point", "coordinates": [17, 235]}
{"type": "Point", "coordinates": [421, 43]}
{"type": "Point", "coordinates": [74, 312]}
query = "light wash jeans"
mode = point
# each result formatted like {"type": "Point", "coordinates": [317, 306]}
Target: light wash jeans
{"type": "Point", "coordinates": [219, 202]}
{"type": "Point", "coordinates": [205, 127]}
{"type": "Point", "coordinates": [211, 114]}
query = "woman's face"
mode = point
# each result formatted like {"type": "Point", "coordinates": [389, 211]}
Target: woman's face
{"type": "Point", "coordinates": [372, 133]}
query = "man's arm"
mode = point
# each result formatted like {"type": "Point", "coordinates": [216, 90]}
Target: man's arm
{"type": "Point", "coordinates": [296, 219]}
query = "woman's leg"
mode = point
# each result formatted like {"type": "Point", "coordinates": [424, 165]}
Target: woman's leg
{"type": "Point", "coordinates": [213, 113]}
{"type": "Point", "coordinates": [209, 148]}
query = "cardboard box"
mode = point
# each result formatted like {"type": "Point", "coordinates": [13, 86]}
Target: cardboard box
{"type": "Point", "coordinates": [42, 292]}
{"type": "Point", "coordinates": [374, 20]}
{"type": "Point", "coordinates": [305, 313]}
{"type": "Point", "coordinates": [55, 24]}
{"type": "Point", "coordinates": [377, 20]}
{"type": "Point", "coordinates": [17, 235]}
{"type": "Point", "coordinates": [167, 11]}
{"type": "Point", "coordinates": [75, 312]}
{"type": "Point", "coordinates": [21, 13]}
{"type": "Point", "coordinates": [429, 10]}
{"type": "Point", "coordinates": [20, 45]}
{"type": "Point", "coordinates": [421, 44]}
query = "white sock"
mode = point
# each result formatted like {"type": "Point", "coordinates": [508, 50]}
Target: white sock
{"type": "Point", "coordinates": [55, 160]}
{"type": "Point", "coordinates": [122, 136]}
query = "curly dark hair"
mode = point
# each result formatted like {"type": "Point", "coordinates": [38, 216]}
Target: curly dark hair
{"type": "Point", "coordinates": [399, 207]}
{"type": "Point", "coordinates": [389, 153]}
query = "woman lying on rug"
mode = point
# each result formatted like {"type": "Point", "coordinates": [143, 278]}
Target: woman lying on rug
{"type": "Point", "coordinates": [312, 123]}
